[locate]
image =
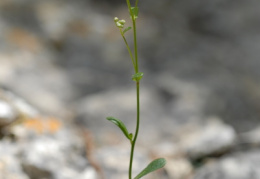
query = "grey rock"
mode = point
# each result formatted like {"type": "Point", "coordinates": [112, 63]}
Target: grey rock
{"type": "Point", "coordinates": [239, 165]}
{"type": "Point", "coordinates": [45, 156]}
{"type": "Point", "coordinates": [10, 164]}
{"type": "Point", "coordinates": [185, 101]}
{"type": "Point", "coordinates": [40, 82]}
{"type": "Point", "coordinates": [18, 104]}
{"type": "Point", "coordinates": [178, 168]}
{"type": "Point", "coordinates": [13, 107]}
{"type": "Point", "coordinates": [40, 147]}
{"type": "Point", "coordinates": [211, 138]}
{"type": "Point", "coordinates": [52, 154]}
{"type": "Point", "coordinates": [7, 114]}
{"type": "Point", "coordinates": [250, 138]}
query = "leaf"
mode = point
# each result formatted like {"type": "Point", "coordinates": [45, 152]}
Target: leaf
{"type": "Point", "coordinates": [137, 77]}
{"type": "Point", "coordinates": [127, 29]}
{"type": "Point", "coordinates": [154, 165]}
{"type": "Point", "coordinates": [134, 12]}
{"type": "Point", "coordinates": [122, 126]}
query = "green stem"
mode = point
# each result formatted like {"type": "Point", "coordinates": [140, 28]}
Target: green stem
{"type": "Point", "coordinates": [135, 36]}
{"type": "Point", "coordinates": [136, 68]}
{"type": "Point", "coordinates": [136, 3]}
{"type": "Point", "coordinates": [128, 48]}
{"type": "Point", "coordinates": [137, 101]}
{"type": "Point", "coordinates": [136, 130]}
{"type": "Point", "coordinates": [135, 46]}
{"type": "Point", "coordinates": [128, 5]}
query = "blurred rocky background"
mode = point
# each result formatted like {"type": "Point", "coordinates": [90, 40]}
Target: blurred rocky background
{"type": "Point", "coordinates": [64, 68]}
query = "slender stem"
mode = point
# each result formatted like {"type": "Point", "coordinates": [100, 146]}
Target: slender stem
{"type": "Point", "coordinates": [136, 130]}
{"type": "Point", "coordinates": [135, 46]}
{"type": "Point", "coordinates": [135, 63]}
{"type": "Point", "coordinates": [137, 101]}
{"type": "Point", "coordinates": [128, 5]}
{"type": "Point", "coordinates": [128, 48]}
{"type": "Point", "coordinates": [136, 3]}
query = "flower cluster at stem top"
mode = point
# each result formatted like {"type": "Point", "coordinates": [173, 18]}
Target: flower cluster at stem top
{"type": "Point", "coordinates": [119, 23]}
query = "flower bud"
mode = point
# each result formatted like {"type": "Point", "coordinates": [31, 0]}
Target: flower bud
{"type": "Point", "coordinates": [122, 22]}
{"type": "Point", "coordinates": [119, 25]}
{"type": "Point", "coordinates": [116, 19]}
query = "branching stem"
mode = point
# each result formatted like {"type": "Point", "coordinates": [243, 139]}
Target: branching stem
{"type": "Point", "coordinates": [128, 49]}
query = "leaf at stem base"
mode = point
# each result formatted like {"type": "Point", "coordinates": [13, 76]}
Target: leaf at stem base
{"type": "Point", "coordinates": [154, 165]}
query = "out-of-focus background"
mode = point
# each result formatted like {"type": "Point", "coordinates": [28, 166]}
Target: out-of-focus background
{"type": "Point", "coordinates": [64, 68]}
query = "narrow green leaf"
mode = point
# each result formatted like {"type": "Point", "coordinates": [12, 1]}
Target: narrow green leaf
{"type": "Point", "coordinates": [154, 165]}
{"type": "Point", "coordinates": [137, 77]}
{"type": "Point", "coordinates": [126, 29]}
{"type": "Point", "coordinates": [121, 125]}
{"type": "Point", "coordinates": [134, 12]}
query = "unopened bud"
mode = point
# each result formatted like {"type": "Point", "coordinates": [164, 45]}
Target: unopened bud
{"type": "Point", "coordinates": [119, 25]}
{"type": "Point", "coordinates": [122, 22]}
{"type": "Point", "coordinates": [116, 19]}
